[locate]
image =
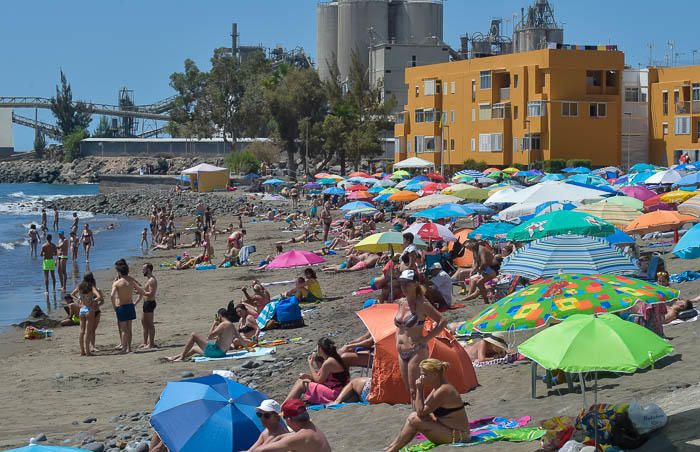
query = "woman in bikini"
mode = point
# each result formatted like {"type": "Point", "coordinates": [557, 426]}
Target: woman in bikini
{"type": "Point", "coordinates": [441, 416]}
{"type": "Point", "coordinates": [89, 278]}
{"type": "Point", "coordinates": [88, 241]}
{"type": "Point", "coordinates": [88, 297]}
{"type": "Point", "coordinates": [484, 270]}
{"type": "Point", "coordinates": [411, 344]}
{"type": "Point", "coordinates": [326, 380]}
{"type": "Point", "coordinates": [247, 327]}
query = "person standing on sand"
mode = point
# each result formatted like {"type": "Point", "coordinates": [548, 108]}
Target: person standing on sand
{"type": "Point", "coordinates": [55, 218]}
{"type": "Point", "coordinates": [269, 413]}
{"type": "Point", "coordinates": [327, 219]}
{"type": "Point", "coordinates": [306, 437]}
{"type": "Point", "coordinates": [62, 259]}
{"type": "Point", "coordinates": [123, 289]}
{"type": "Point", "coordinates": [33, 237]}
{"type": "Point", "coordinates": [48, 251]}
{"type": "Point", "coordinates": [88, 240]}
{"type": "Point", "coordinates": [149, 306]}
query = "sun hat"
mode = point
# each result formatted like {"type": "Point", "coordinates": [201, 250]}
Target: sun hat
{"type": "Point", "coordinates": [408, 275]}
{"type": "Point", "coordinates": [436, 266]}
{"type": "Point", "coordinates": [497, 339]}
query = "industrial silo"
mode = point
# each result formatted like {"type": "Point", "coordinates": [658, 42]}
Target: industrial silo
{"type": "Point", "coordinates": [425, 18]}
{"type": "Point", "coordinates": [399, 22]}
{"type": "Point", "coordinates": [361, 23]}
{"type": "Point", "coordinates": [326, 37]}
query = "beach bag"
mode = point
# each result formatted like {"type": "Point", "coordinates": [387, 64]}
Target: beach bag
{"type": "Point", "coordinates": [624, 435]}
{"type": "Point", "coordinates": [288, 313]}
{"type": "Point", "coordinates": [647, 418]}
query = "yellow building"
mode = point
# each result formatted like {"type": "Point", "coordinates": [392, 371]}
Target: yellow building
{"type": "Point", "coordinates": [561, 103]}
{"type": "Point", "coordinates": [674, 114]}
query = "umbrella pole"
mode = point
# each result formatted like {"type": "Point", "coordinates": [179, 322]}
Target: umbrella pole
{"type": "Point", "coordinates": [583, 388]}
{"type": "Point", "coordinates": [391, 274]}
{"type": "Point", "coordinates": [595, 413]}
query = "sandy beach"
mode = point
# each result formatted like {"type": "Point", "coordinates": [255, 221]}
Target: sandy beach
{"type": "Point", "coordinates": [48, 388]}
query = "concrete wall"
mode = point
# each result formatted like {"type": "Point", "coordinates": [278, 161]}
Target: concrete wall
{"type": "Point", "coordinates": [176, 147]}
{"type": "Point", "coordinates": [635, 118]}
{"type": "Point", "coordinates": [6, 143]}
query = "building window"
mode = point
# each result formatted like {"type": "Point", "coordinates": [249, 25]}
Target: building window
{"type": "Point", "coordinates": [531, 142]}
{"type": "Point", "coordinates": [515, 81]}
{"type": "Point", "coordinates": [420, 116]}
{"type": "Point", "coordinates": [400, 118]}
{"type": "Point", "coordinates": [409, 146]}
{"type": "Point", "coordinates": [429, 144]}
{"type": "Point", "coordinates": [429, 87]}
{"type": "Point", "coordinates": [500, 111]}
{"type": "Point", "coordinates": [452, 87]}
{"type": "Point", "coordinates": [419, 144]}
{"type": "Point", "coordinates": [682, 125]}
{"type": "Point", "coordinates": [676, 97]}
{"type": "Point", "coordinates": [594, 78]}
{"type": "Point", "coordinates": [515, 144]}
{"type": "Point", "coordinates": [437, 87]}
{"type": "Point", "coordinates": [473, 142]}
{"type": "Point", "coordinates": [429, 115]}
{"type": "Point", "coordinates": [485, 79]}
{"type": "Point", "coordinates": [444, 145]}
{"type": "Point", "coordinates": [598, 110]}
{"type": "Point", "coordinates": [696, 92]}
{"type": "Point", "coordinates": [452, 117]}
{"type": "Point", "coordinates": [490, 142]}
{"type": "Point", "coordinates": [664, 102]}
{"type": "Point", "coordinates": [484, 112]}
{"type": "Point", "coordinates": [417, 91]}
{"type": "Point", "coordinates": [536, 108]}
{"type": "Point", "coordinates": [569, 109]}
{"type": "Point", "coordinates": [452, 144]}
{"type": "Point", "coordinates": [473, 90]}
{"type": "Point", "coordinates": [515, 112]}
{"type": "Point", "coordinates": [611, 79]}
{"type": "Point", "coordinates": [413, 61]}
{"type": "Point", "coordinates": [632, 95]}
{"type": "Point", "coordinates": [664, 128]}
{"type": "Point", "coordinates": [473, 114]}
{"type": "Point", "coordinates": [444, 88]}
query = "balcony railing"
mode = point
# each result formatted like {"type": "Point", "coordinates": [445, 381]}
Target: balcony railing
{"type": "Point", "coordinates": [688, 107]}
{"type": "Point", "coordinates": [504, 93]}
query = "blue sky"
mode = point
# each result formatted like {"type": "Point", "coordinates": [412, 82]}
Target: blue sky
{"type": "Point", "coordinates": [104, 45]}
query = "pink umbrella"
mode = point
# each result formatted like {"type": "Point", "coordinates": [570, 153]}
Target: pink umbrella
{"type": "Point", "coordinates": [641, 193]}
{"type": "Point", "coordinates": [295, 258]}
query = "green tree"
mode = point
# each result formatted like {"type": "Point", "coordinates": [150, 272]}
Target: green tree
{"type": "Point", "coordinates": [362, 142]}
{"type": "Point", "coordinates": [242, 161]}
{"type": "Point", "coordinates": [39, 144]}
{"type": "Point", "coordinates": [103, 129]}
{"type": "Point", "coordinates": [265, 151]}
{"type": "Point", "coordinates": [190, 115]}
{"type": "Point", "coordinates": [69, 115]}
{"type": "Point", "coordinates": [71, 144]}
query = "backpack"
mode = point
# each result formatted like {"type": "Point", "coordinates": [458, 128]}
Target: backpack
{"type": "Point", "coordinates": [288, 313]}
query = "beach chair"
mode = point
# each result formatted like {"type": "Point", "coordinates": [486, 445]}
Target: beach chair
{"type": "Point", "coordinates": [500, 289]}
{"type": "Point", "coordinates": [431, 259]}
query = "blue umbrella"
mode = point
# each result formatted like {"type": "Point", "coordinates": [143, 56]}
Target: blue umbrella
{"type": "Point", "coordinates": [588, 179]}
{"type": "Point", "coordinates": [491, 231]}
{"type": "Point", "coordinates": [356, 205]}
{"type": "Point", "coordinates": [207, 413]}
{"type": "Point", "coordinates": [606, 188]}
{"type": "Point", "coordinates": [639, 178]}
{"type": "Point", "coordinates": [376, 189]}
{"type": "Point", "coordinates": [690, 179]}
{"type": "Point", "coordinates": [252, 176]}
{"type": "Point", "coordinates": [273, 182]}
{"type": "Point", "coordinates": [549, 206]}
{"type": "Point", "coordinates": [469, 172]}
{"type": "Point", "coordinates": [685, 167]}
{"type": "Point", "coordinates": [327, 181]}
{"type": "Point", "coordinates": [445, 211]}
{"type": "Point", "coordinates": [619, 237]}
{"type": "Point", "coordinates": [478, 208]}
{"type": "Point", "coordinates": [420, 178]}
{"type": "Point", "coordinates": [577, 170]}
{"type": "Point", "coordinates": [382, 198]}
{"type": "Point", "coordinates": [40, 448]}
{"type": "Point", "coordinates": [688, 247]}
{"type": "Point", "coordinates": [334, 191]}
{"type": "Point", "coordinates": [639, 167]}
{"type": "Point", "coordinates": [413, 187]}
{"type": "Point", "coordinates": [552, 177]}
{"type": "Point", "coordinates": [551, 256]}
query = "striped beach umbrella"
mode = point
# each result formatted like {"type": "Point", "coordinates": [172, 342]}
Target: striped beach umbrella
{"type": "Point", "coordinates": [691, 206]}
{"type": "Point", "coordinates": [568, 254]}
{"type": "Point", "coordinates": [616, 214]}
{"type": "Point", "coordinates": [468, 172]}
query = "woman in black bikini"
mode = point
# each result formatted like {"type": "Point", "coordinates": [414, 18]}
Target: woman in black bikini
{"type": "Point", "coordinates": [441, 416]}
{"type": "Point", "coordinates": [411, 344]}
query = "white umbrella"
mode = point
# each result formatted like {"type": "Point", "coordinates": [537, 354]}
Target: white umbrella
{"type": "Point", "coordinates": [502, 196]}
{"type": "Point", "coordinates": [430, 201]}
{"type": "Point", "coordinates": [445, 234]}
{"type": "Point", "coordinates": [555, 191]}
{"type": "Point", "coordinates": [386, 183]}
{"type": "Point", "coordinates": [664, 177]}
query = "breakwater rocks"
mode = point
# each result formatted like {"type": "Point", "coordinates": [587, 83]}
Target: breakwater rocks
{"type": "Point", "coordinates": [89, 169]}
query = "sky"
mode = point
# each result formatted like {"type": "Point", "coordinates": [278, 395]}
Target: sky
{"type": "Point", "coordinates": [105, 45]}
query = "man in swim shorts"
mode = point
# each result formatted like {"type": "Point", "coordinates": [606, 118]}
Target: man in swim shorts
{"type": "Point", "coordinates": [149, 306]}
{"type": "Point", "coordinates": [220, 336]}
{"type": "Point", "coordinates": [121, 296]}
{"type": "Point", "coordinates": [306, 437]}
{"type": "Point", "coordinates": [48, 252]}
{"type": "Point", "coordinates": [62, 259]}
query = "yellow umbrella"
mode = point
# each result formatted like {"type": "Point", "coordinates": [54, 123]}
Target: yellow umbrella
{"type": "Point", "coordinates": [457, 187]}
{"type": "Point", "coordinates": [389, 190]}
{"type": "Point", "coordinates": [677, 196]}
{"type": "Point", "coordinates": [472, 194]}
{"type": "Point", "coordinates": [511, 170]}
{"type": "Point", "coordinates": [385, 241]}
{"type": "Point", "coordinates": [617, 214]}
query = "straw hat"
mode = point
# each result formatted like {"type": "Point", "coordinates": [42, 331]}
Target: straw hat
{"type": "Point", "coordinates": [497, 339]}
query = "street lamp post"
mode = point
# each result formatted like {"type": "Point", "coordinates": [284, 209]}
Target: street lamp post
{"type": "Point", "coordinates": [629, 135]}
{"type": "Point", "coordinates": [529, 141]}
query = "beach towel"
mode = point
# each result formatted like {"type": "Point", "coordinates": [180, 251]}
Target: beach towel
{"type": "Point", "coordinates": [279, 283]}
{"type": "Point", "coordinates": [363, 292]}
{"type": "Point", "coordinates": [239, 354]}
{"type": "Point", "coordinates": [508, 359]}
{"type": "Point", "coordinates": [333, 407]}
{"type": "Point", "coordinates": [679, 321]}
{"type": "Point", "coordinates": [267, 314]}
{"type": "Point", "coordinates": [684, 276]}
{"type": "Point", "coordinates": [244, 254]}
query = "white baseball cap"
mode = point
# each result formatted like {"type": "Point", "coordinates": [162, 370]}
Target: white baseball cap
{"type": "Point", "coordinates": [269, 406]}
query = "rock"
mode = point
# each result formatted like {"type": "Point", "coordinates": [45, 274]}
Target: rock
{"type": "Point", "coordinates": [143, 446]}
{"type": "Point", "coordinates": [75, 423]}
{"type": "Point", "coordinates": [94, 447]}
{"type": "Point", "coordinates": [58, 376]}
{"type": "Point", "coordinates": [40, 437]}
{"type": "Point", "coordinates": [89, 420]}
{"type": "Point", "coordinates": [187, 374]}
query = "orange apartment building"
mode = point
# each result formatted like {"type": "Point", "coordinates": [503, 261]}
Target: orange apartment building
{"type": "Point", "coordinates": [514, 108]}
{"type": "Point", "coordinates": [674, 114]}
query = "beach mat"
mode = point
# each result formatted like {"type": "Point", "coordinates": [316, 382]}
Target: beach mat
{"type": "Point", "coordinates": [239, 354]}
{"type": "Point", "coordinates": [363, 292]}
{"type": "Point", "coordinates": [333, 407]}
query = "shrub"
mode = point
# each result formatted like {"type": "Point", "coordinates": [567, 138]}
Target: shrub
{"type": "Point", "coordinates": [554, 165]}
{"type": "Point", "coordinates": [573, 163]}
{"type": "Point", "coordinates": [474, 165]}
{"type": "Point", "coordinates": [265, 151]}
{"type": "Point", "coordinates": [242, 162]}
{"type": "Point", "coordinates": [71, 144]}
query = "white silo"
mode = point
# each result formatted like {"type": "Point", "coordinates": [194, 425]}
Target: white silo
{"type": "Point", "coordinates": [326, 37]}
{"type": "Point", "coordinates": [361, 23]}
{"type": "Point", "coordinates": [425, 18]}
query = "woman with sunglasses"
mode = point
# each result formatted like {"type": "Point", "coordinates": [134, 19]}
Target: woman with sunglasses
{"type": "Point", "coordinates": [328, 375]}
{"type": "Point", "coordinates": [269, 414]}
{"type": "Point", "coordinates": [411, 344]}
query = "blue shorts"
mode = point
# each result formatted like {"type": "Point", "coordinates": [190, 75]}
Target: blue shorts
{"type": "Point", "coordinates": [126, 312]}
{"type": "Point", "coordinates": [343, 265]}
{"type": "Point", "coordinates": [372, 282]}
{"type": "Point", "coordinates": [212, 351]}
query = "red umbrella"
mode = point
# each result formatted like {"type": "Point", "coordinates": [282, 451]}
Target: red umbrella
{"type": "Point", "coordinates": [435, 176]}
{"type": "Point", "coordinates": [434, 187]}
{"type": "Point", "coordinates": [655, 203]}
{"type": "Point", "coordinates": [356, 187]}
{"type": "Point", "coordinates": [359, 174]}
{"type": "Point", "coordinates": [295, 258]}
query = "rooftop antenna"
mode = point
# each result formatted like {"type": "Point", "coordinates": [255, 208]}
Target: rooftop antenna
{"type": "Point", "coordinates": [650, 46]}
{"type": "Point", "coordinates": [693, 52]}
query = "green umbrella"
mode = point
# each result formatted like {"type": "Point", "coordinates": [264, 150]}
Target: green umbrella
{"type": "Point", "coordinates": [584, 343]}
{"type": "Point", "coordinates": [561, 222]}
{"type": "Point", "coordinates": [628, 201]}
{"type": "Point", "coordinates": [562, 296]}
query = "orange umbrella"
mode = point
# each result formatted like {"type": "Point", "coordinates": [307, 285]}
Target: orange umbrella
{"type": "Point", "coordinates": [659, 221]}
{"type": "Point", "coordinates": [467, 259]}
{"type": "Point", "coordinates": [387, 385]}
{"type": "Point", "coordinates": [356, 187]}
{"type": "Point", "coordinates": [360, 195]}
{"type": "Point", "coordinates": [490, 170]}
{"type": "Point", "coordinates": [403, 196]}
{"type": "Point", "coordinates": [359, 174]}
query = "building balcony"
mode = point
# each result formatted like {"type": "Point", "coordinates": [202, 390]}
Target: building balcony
{"type": "Point", "coordinates": [688, 107]}
{"type": "Point", "coordinates": [504, 94]}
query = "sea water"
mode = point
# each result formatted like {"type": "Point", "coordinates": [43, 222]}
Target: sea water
{"type": "Point", "coordinates": [21, 276]}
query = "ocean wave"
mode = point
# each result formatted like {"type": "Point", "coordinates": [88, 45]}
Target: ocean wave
{"type": "Point", "coordinates": [34, 208]}
{"type": "Point", "coordinates": [9, 246]}
{"type": "Point", "coordinates": [25, 197]}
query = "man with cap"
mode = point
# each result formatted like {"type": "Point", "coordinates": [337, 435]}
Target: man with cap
{"type": "Point", "coordinates": [62, 259]}
{"type": "Point", "coordinates": [306, 437]}
{"type": "Point", "coordinates": [440, 285]}
{"type": "Point", "coordinates": [269, 413]}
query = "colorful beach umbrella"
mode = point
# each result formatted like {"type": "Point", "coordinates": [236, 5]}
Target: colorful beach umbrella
{"type": "Point", "coordinates": [584, 343]}
{"type": "Point", "coordinates": [688, 247]}
{"type": "Point", "coordinates": [295, 258]}
{"type": "Point", "coordinates": [356, 205]}
{"type": "Point", "coordinates": [376, 190]}
{"type": "Point", "coordinates": [641, 193]}
{"type": "Point", "coordinates": [495, 232]}
{"type": "Point", "coordinates": [359, 174]}
{"type": "Point", "coordinates": [311, 186]}
{"type": "Point", "coordinates": [616, 214]}
{"type": "Point", "coordinates": [502, 196]}
{"type": "Point", "coordinates": [360, 195]}
{"type": "Point", "coordinates": [568, 254]}
{"type": "Point", "coordinates": [431, 232]}
{"type": "Point", "coordinates": [577, 170]}
{"type": "Point", "coordinates": [467, 172]}
{"type": "Point", "coordinates": [365, 211]}
{"type": "Point", "coordinates": [627, 201]}
{"type": "Point", "coordinates": [273, 182]}
{"type": "Point", "coordinates": [490, 170]}
{"type": "Point", "coordinates": [327, 181]}
{"type": "Point", "coordinates": [655, 203]}
{"type": "Point", "coordinates": [400, 174]}
{"type": "Point", "coordinates": [471, 194]}
{"type": "Point", "coordinates": [677, 196]}
{"type": "Point", "coordinates": [207, 413]}
{"type": "Point", "coordinates": [659, 221]}
{"type": "Point", "coordinates": [639, 167]}
{"type": "Point", "coordinates": [435, 177]}
{"type": "Point", "coordinates": [45, 448]}
{"type": "Point", "coordinates": [385, 183]}
{"type": "Point", "coordinates": [357, 187]}
{"type": "Point", "coordinates": [691, 207]}
{"type": "Point", "coordinates": [386, 241]}
{"type": "Point", "coordinates": [558, 223]}
{"type": "Point", "coordinates": [430, 201]}
{"type": "Point", "coordinates": [510, 170]}
{"type": "Point", "coordinates": [334, 191]}
{"type": "Point", "coordinates": [479, 208]}
{"type": "Point", "coordinates": [403, 196]}
{"type": "Point", "coordinates": [444, 211]}
{"type": "Point", "coordinates": [562, 296]}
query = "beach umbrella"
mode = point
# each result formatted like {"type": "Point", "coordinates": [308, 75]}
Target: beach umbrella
{"type": "Point", "coordinates": [568, 254]}
{"type": "Point", "coordinates": [655, 203]}
{"type": "Point", "coordinates": [495, 232]}
{"type": "Point", "coordinates": [295, 258]}
{"type": "Point", "coordinates": [431, 201]}
{"type": "Point", "coordinates": [640, 178]}
{"type": "Point", "coordinates": [677, 196]}
{"type": "Point", "coordinates": [690, 179]}
{"type": "Point", "coordinates": [387, 385]}
{"type": "Point", "coordinates": [558, 223]}
{"type": "Point", "coordinates": [273, 182]}
{"type": "Point", "coordinates": [490, 170]}
{"type": "Point", "coordinates": [577, 170]}
{"type": "Point", "coordinates": [434, 187]}
{"type": "Point", "coordinates": [207, 413]}
{"type": "Point", "coordinates": [403, 196]}
{"type": "Point", "coordinates": [33, 447]}
{"type": "Point", "coordinates": [400, 174]}
{"type": "Point", "coordinates": [641, 193]}
{"type": "Point", "coordinates": [553, 177]}
{"type": "Point", "coordinates": [456, 187]}
{"type": "Point", "coordinates": [484, 181]}
{"type": "Point", "coordinates": [659, 221]}
{"type": "Point", "coordinates": [389, 191]}
{"type": "Point", "coordinates": [584, 343]}
{"type": "Point", "coordinates": [414, 186]}
{"type": "Point", "coordinates": [502, 196]}
{"type": "Point", "coordinates": [588, 179]}
{"type": "Point", "coordinates": [688, 247]}
{"type": "Point", "coordinates": [360, 195]}
{"type": "Point", "coordinates": [370, 181]}
{"type": "Point", "coordinates": [322, 175]}
{"type": "Point", "coordinates": [553, 206]}
{"type": "Point", "coordinates": [385, 183]}
{"type": "Point", "coordinates": [359, 174]}
{"type": "Point", "coordinates": [420, 178]}
{"type": "Point", "coordinates": [615, 214]}
{"type": "Point", "coordinates": [495, 175]}
{"type": "Point", "coordinates": [312, 186]}
{"type": "Point", "coordinates": [403, 184]}
{"type": "Point", "coordinates": [663, 177]}
{"type": "Point", "coordinates": [382, 198]}
{"type": "Point", "coordinates": [355, 180]}
{"type": "Point", "coordinates": [444, 211]}
{"type": "Point", "coordinates": [471, 194]}
{"type": "Point", "coordinates": [356, 187]}
{"type": "Point", "coordinates": [386, 241]}
{"type": "Point", "coordinates": [627, 201]}
{"type": "Point", "coordinates": [556, 191]}
{"type": "Point", "coordinates": [562, 296]}
{"type": "Point", "coordinates": [376, 190]}
{"type": "Point", "coordinates": [480, 209]}
{"type": "Point", "coordinates": [619, 238]}
{"type": "Point", "coordinates": [356, 205]}
{"type": "Point", "coordinates": [435, 177]}
{"type": "Point", "coordinates": [334, 191]}
{"type": "Point", "coordinates": [327, 181]}
{"type": "Point", "coordinates": [510, 170]}
{"type": "Point", "coordinates": [468, 172]}
{"type": "Point", "coordinates": [527, 210]}
{"type": "Point", "coordinates": [691, 206]}
{"type": "Point", "coordinates": [685, 167]}
{"type": "Point", "coordinates": [365, 211]}
{"type": "Point", "coordinates": [639, 167]}
{"type": "Point", "coordinates": [431, 232]}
